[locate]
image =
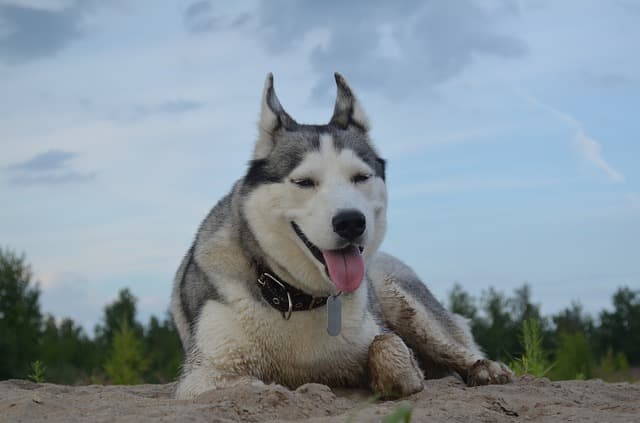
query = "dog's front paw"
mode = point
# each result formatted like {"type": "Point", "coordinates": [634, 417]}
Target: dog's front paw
{"type": "Point", "coordinates": [487, 372]}
{"type": "Point", "coordinates": [394, 371]}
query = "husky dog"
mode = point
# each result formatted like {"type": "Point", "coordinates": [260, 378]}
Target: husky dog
{"type": "Point", "coordinates": [283, 283]}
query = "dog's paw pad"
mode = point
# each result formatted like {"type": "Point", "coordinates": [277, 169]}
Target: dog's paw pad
{"type": "Point", "coordinates": [487, 372]}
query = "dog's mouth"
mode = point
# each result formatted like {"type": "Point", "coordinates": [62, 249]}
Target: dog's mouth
{"type": "Point", "coordinates": [345, 266]}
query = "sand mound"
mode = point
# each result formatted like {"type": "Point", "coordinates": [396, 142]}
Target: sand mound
{"type": "Point", "coordinates": [444, 400]}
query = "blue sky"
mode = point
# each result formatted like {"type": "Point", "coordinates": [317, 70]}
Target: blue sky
{"type": "Point", "coordinates": [510, 128]}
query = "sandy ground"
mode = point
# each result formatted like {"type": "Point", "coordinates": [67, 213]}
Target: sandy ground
{"type": "Point", "coordinates": [444, 400]}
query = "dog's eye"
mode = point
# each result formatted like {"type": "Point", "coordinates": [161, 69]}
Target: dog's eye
{"type": "Point", "coordinates": [304, 182]}
{"type": "Point", "coordinates": [360, 177]}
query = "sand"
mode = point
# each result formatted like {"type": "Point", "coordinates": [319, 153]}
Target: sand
{"type": "Point", "coordinates": [444, 400]}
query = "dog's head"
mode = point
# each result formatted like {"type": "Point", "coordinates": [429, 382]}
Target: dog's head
{"type": "Point", "coordinates": [315, 196]}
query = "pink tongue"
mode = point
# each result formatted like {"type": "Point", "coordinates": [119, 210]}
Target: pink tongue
{"type": "Point", "coordinates": [346, 267]}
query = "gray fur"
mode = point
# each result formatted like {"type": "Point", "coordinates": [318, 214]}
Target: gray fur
{"type": "Point", "coordinates": [291, 147]}
{"type": "Point", "coordinates": [214, 220]}
{"type": "Point", "coordinates": [195, 286]}
{"type": "Point", "coordinates": [410, 282]}
{"type": "Point", "coordinates": [195, 289]}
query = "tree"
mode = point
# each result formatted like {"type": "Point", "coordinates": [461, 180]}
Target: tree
{"type": "Point", "coordinates": [522, 309]}
{"type": "Point", "coordinates": [70, 356]}
{"type": "Point", "coordinates": [462, 303]}
{"type": "Point", "coordinates": [534, 360]}
{"type": "Point", "coordinates": [164, 350]}
{"type": "Point", "coordinates": [497, 327]}
{"type": "Point", "coordinates": [573, 357]}
{"type": "Point", "coordinates": [496, 331]}
{"type": "Point", "coordinates": [20, 317]}
{"type": "Point", "coordinates": [572, 319]}
{"type": "Point", "coordinates": [121, 311]}
{"type": "Point", "coordinates": [126, 363]}
{"type": "Point", "coordinates": [613, 367]}
{"type": "Point", "coordinates": [620, 330]}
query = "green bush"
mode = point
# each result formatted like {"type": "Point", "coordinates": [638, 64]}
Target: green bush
{"type": "Point", "coordinates": [126, 363]}
{"type": "Point", "coordinates": [614, 367]}
{"type": "Point", "coordinates": [37, 371]}
{"type": "Point", "coordinates": [573, 357]}
{"type": "Point", "coordinates": [534, 359]}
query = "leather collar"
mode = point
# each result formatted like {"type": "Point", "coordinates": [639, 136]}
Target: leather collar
{"type": "Point", "coordinates": [284, 297]}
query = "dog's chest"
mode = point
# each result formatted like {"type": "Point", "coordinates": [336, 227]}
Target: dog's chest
{"type": "Point", "coordinates": [300, 350]}
{"type": "Point", "coordinates": [249, 336]}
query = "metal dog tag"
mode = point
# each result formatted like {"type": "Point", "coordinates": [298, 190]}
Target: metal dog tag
{"type": "Point", "coordinates": [334, 315]}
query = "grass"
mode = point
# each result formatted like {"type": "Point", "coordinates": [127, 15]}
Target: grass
{"type": "Point", "coordinates": [402, 414]}
{"type": "Point", "coordinates": [38, 369]}
{"type": "Point", "coordinates": [534, 359]}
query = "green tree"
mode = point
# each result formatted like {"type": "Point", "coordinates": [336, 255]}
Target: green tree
{"type": "Point", "coordinates": [534, 360]}
{"type": "Point", "coordinates": [522, 309]}
{"type": "Point", "coordinates": [496, 331]}
{"type": "Point", "coordinates": [462, 303]}
{"type": "Point", "coordinates": [573, 357]}
{"type": "Point", "coordinates": [613, 367]}
{"type": "Point", "coordinates": [126, 362]}
{"type": "Point", "coordinates": [69, 354]}
{"type": "Point", "coordinates": [163, 349]}
{"type": "Point", "coordinates": [620, 329]}
{"type": "Point", "coordinates": [573, 319]}
{"type": "Point", "coordinates": [20, 316]}
{"type": "Point", "coordinates": [121, 311]}
{"type": "Point", "coordinates": [496, 323]}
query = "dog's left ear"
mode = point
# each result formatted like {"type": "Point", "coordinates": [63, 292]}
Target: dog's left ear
{"type": "Point", "coordinates": [273, 118]}
{"type": "Point", "coordinates": [348, 111]}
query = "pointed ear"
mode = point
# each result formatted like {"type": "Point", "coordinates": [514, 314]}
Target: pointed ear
{"type": "Point", "coordinates": [272, 118]}
{"type": "Point", "coordinates": [347, 110]}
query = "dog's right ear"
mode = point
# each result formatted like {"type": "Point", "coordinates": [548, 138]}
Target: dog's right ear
{"type": "Point", "coordinates": [348, 111]}
{"type": "Point", "coordinates": [272, 119]}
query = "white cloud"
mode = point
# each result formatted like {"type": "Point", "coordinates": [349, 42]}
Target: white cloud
{"type": "Point", "coordinates": [67, 294]}
{"type": "Point", "coordinates": [590, 148]}
{"type": "Point", "coordinates": [48, 5]}
{"type": "Point", "coordinates": [72, 295]}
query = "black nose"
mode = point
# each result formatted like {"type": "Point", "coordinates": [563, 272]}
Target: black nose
{"type": "Point", "coordinates": [349, 224]}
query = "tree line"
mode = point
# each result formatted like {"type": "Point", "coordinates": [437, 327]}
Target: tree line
{"type": "Point", "coordinates": [121, 351]}
{"type": "Point", "coordinates": [571, 344]}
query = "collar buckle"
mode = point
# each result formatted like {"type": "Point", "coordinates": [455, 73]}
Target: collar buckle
{"type": "Point", "coordinates": [266, 278]}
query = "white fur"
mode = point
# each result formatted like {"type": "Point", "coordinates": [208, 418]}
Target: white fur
{"type": "Point", "coordinates": [312, 209]}
{"type": "Point", "coordinates": [268, 121]}
{"type": "Point", "coordinates": [245, 338]}
{"type": "Point", "coordinates": [242, 337]}
{"type": "Point", "coordinates": [360, 116]}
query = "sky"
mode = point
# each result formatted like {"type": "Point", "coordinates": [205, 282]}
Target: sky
{"type": "Point", "coordinates": [510, 129]}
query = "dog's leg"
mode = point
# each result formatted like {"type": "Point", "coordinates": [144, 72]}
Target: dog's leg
{"type": "Point", "coordinates": [439, 338]}
{"type": "Point", "coordinates": [219, 356]}
{"type": "Point", "coordinates": [200, 379]}
{"type": "Point", "coordinates": [394, 372]}
{"type": "Point", "coordinates": [203, 373]}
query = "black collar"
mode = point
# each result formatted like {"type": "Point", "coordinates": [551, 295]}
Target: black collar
{"type": "Point", "coordinates": [284, 297]}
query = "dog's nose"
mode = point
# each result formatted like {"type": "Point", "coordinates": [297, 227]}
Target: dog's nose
{"type": "Point", "coordinates": [349, 224]}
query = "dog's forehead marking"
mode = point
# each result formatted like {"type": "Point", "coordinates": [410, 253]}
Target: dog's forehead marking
{"type": "Point", "coordinates": [326, 144]}
{"type": "Point", "coordinates": [330, 159]}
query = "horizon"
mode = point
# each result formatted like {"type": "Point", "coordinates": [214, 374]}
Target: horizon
{"type": "Point", "coordinates": [509, 128]}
